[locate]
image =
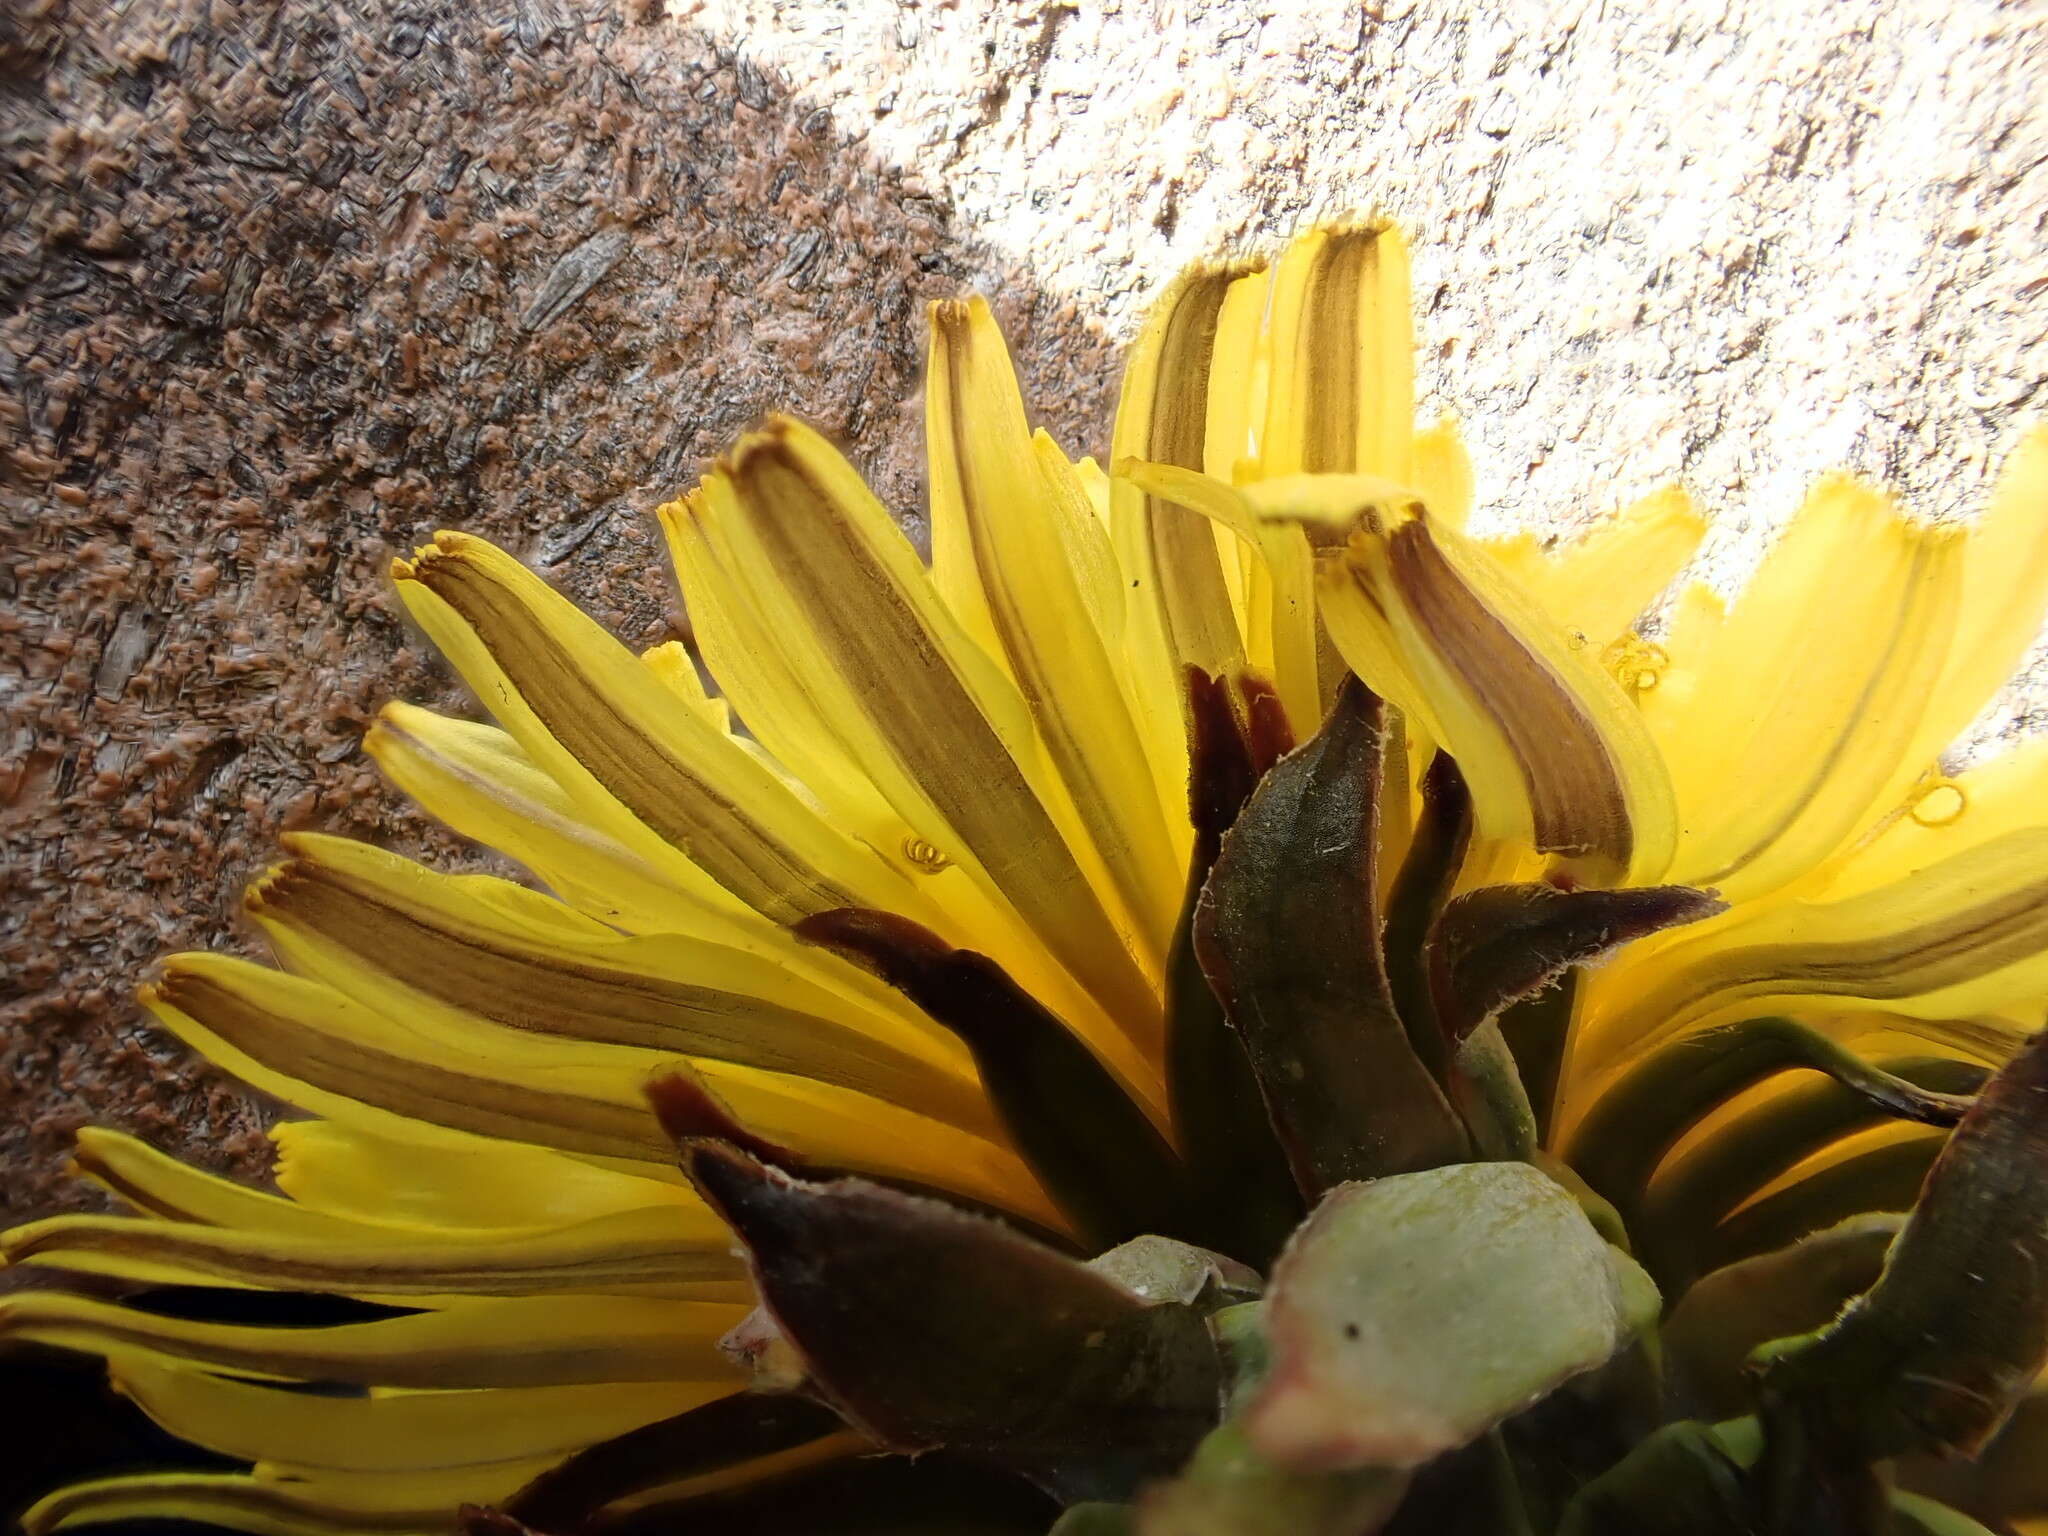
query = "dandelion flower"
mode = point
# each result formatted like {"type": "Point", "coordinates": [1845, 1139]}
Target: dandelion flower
{"type": "Point", "coordinates": [930, 1034]}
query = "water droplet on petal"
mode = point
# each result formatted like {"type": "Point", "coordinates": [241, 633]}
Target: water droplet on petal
{"type": "Point", "coordinates": [1637, 664]}
{"type": "Point", "coordinates": [1938, 803]}
{"type": "Point", "coordinates": [925, 856]}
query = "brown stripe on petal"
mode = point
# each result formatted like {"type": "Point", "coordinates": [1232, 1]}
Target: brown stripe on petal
{"type": "Point", "coordinates": [515, 1341]}
{"type": "Point", "coordinates": [1192, 593]}
{"type": "Point", "coordinates": [1343, 391]}
{"type": "Point", "coordinates": [1022, 523]}
{"type": "Point", "coordinates": [1329, 356]}
{"type": "Point", "coordinates": [661, 1248]}
{"type": "Point", "coordinates": [518, 981]}
{"type": "Point", "coordinates": [928, 718]}
{"type": "Point", "coordinates": [419, 1090]}
{"type": "Point", "coordinates": [1575, 790]}
{"type": "Point", "coordinates": [722, 835]}
{"type": "Point", "coordinates": [1935, 931]}
{"type": "Point", "coordinates": [1936, 951]}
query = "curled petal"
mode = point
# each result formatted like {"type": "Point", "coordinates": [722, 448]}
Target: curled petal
{"type": "Point", "coordinates": [1964, 936]}
{"type": "Point", "coordinates": [315, 1047]}
{"type": "Point", "coordinates": [156, 1183]}
{"type": "Point", "coordinates": [476, 779]}
{"type": "Point", "coordinates": [381, 927]}
{"type": "Point", "coordinates": [392, 1429]}
{"type": "Point", "coordinates": [1556, 755]}
{"type": "Point", "coordinates": [603, 725]}
{"type": "Point", "coordinates": [1012, 529]}
{"type": "Point", "coordinates": [672, 1251]}
{"type": "Point", "coordinates": [413, 1505]}
{"type": "Point", "coordinates": [1187, 354]}
{"type": "Point", "coordinates": [524, 1342]}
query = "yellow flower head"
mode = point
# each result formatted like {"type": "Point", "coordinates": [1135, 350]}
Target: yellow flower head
{"type": "Point", "coordinates": [1186, 844]}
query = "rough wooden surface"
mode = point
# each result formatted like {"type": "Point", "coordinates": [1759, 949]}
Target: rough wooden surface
{"type": "Point", "coordinates": [284, 288]}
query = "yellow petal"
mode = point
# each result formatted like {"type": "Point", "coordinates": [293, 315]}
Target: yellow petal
{"type": "Point", "coordinates": [1343, 380]}
{"type": "Point", "coordinates": [671, 662]}
{"type": "Point", "coordinates": [1240, 377]}
{"type": "Point", "coordinates": [1794, 728]}
{"type": "Point", "coordinates": [1556, 756]}
{"type": "Point", "coordinates": [475, 779]}
{"type": "Point", "coordinates": [395, 1430]}
{"type": "Point", "coordinates": [159, 1184]}
{"type": "Point", "coordinates": [285, 1499]}
{"type": "Point", "coordinates": [315, 1047]}
{"type": "Point", "coordinates": [931, 721]}
{"type": "Point", "coordinates": [1284, 643]}
{"type": "Point", "coordinates": [383, 928]}
{"type": "Point", "coordinates": [446, 1181]}
{"type": "Point", "coordinates": [2005, 591]}
{"type": "Point", "coordinates": [735, 623]}
{"type": "Point", "coordinates": [653, 775]}
{"type": "Point", "coordinates": [523, 1342]}
{"type": "Point", "coordinates": [280, 1499]}
{"type": "Point", "coordinates": [1692, 628]}
{"type": "Point", "coordinates": [1151, 692]}
{"type": "Point", "coordinates": [266, 1507]}
{"type": "Point", "coordinates": [1443, 473]}
{"type": "Point", "coordinates": [829, 1448]}
{"type": "Point", "coordinates": [1594, 588]}
{"type": "Point", "coordinates": [1239, 374]}
{"type": "Point", "coordinates": [1014, 519]}
{"type": "Point", "coordinates": [677, 1252]}
{"type": "Point", "coordinates": [1967, 935]}
{"type": "Point", "coordinates": [1993, 799]}
{"type": "Point", "coordinates": [1181, 608]}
